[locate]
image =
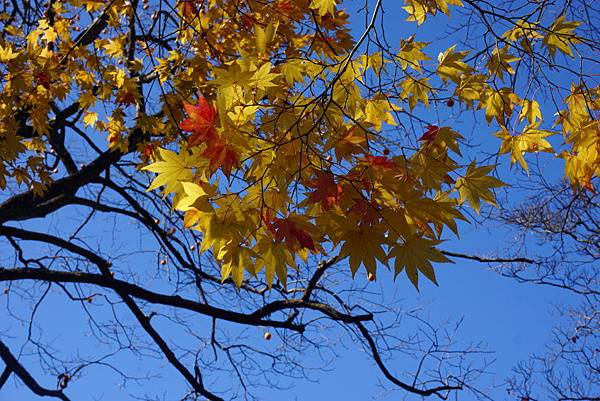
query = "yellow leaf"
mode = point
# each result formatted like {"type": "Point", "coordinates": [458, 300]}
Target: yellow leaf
{"type": "Point", "coordinates": [7, 54]}
{"type": "Point", "coordinates": [323, 6]}
{"type": "Point", "coordinates": [294, 71]}
{"type": "Point", "coordinates": [263, 78]}
{"type": "Point", "coordinates": [451, 67]}
{"type": "Point", "coordinates": [522, 29]}
{"type": "Point", "coordinates": [172, 169]}
{"type": "Point", "coordinates": [415, 255]}
{"type": "Point", "coordinates": [416, 90]}
{"type": "Point", "coordinates": [363, 246]}
{"type": "Point", "coordinates": [234, 260]}
{"type": "Point", "coordinates": [531, 111]}
{"type": "Point", "coordinates": [90, 118]}
{"type": "Point", "coordinates": [531, 140]}
{"type": "Point", "coordinates": [410, 54]}
{"type": "Point", "coordinates": [476, 186]}
{"type": "Point", "coordinates": [499, 104]}
{"type": "Point", "coordinates": [115, 47]}
{"type": "Point", "coordinates": [560, 36]}
{"type": "Point", "coordinates": [265, 36]}
{"type": "Point", "coordinates": [418, 9]}
{"type": "Point", "coordinates": [499, 62]}
{"type": "Point", "coordinates": [379, 111]}
{"type": "Point", "coordinates": [191, 193]}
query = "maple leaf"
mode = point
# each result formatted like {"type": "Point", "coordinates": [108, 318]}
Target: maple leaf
{"type": "Point", "coordinates": [368, 212]}
{"type": "Point", "coordinates": [415, 255]}
{"type": "Point", "coordinates": [443, 137]}
{"type": "Point", "coordinates": [126, 97]}
{"type": "Point", "coordinates": [234, 260]}
{"type": "Point", "coordinates": [327, 193]}
{"type": "Point", "coordinates": [189, 8]}
{"type": "Point", "coordinates": [200, 122]}
{"type": "Point", "coordinates": [499, 62]}
{"type": "Point", "coordinates": [430, 134]}
{"type": "Point", "coordinates": [221, 155]}
{"type": "Point", "coordinates": [216, 232]}
{"type": "Point", "coordinates": [379, 162]}
{"type": "Point", "coordinates": [265, 36]}
{"type": "Point", "coordinates": [416, 11]}
{"type": "Point", "coordinates": [171, 169]}
{"type": "Point", "coordinates": [522, 29]}
{"type": "Point", "coordinates": [410, 53]}
{"type": "Point", "coordinates": [364, 247]}
{"type": "Point", "coordinates": [378, 112]}
{"type": "Point", "coordinates": [191, 193]}
{"type": "Point", "coordinates": [531, 140]}
{"type": "Point", "coordinates": [500, 104]}
{"type": "Point", "coordinates": [115, 47]}
{"type": "Point", "coordinates": [476, 186]}
{"type": "Point", "coordinates": [471, 89]}
{"type": "Point", "coordinates": [353, 141]}
{"type": "Point", "coordinates": [43, 79]}
{"type": "Point", "coordinates": [451, 67]}
{"type": "Point", "coordinates": [293, 70]}
{"type": "Point", "coordinates": [560, 36]}
{"type": "Point", "coordinates": [323, 6]}
{"type": "Point", "coordinates": [285, 6]}
{"type": "Point", "coordinates": [90, 118]}
{"type": "Point", "coordinates": [416, 90]}
{"type": "Point", "coordinates": [531, 111]}
{"type": "Point", "coordinates": [274, 258]}
{"type": "Point", "coordinates": [290, 232]}
{"type": "Point", "coordinates": [263, 77]}
{"type": "Point", "coordinates": [7, 54]}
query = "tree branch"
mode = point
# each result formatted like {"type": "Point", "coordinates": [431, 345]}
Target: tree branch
{"type": "Point", "coordinates": [13, 364]}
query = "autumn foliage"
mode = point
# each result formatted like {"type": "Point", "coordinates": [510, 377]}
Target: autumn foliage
{"type": "Point", "coordinates": [279, 136]}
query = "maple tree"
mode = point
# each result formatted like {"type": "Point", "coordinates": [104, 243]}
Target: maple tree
{"type": "Point", "coordinates": [260, 137]}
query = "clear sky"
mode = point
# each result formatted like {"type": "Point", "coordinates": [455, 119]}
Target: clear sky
{"type": "Point", "coordinates": [510, 320]}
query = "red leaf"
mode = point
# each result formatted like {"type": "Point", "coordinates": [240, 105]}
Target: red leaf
{"type": "Point", "coordinates": [247, 22]}
{"type": "Point", "coordinates": [220, 154]}
{"type": "Point", "coordinates": [43, 79]}
{"type": "Point", "coordinates": [148, 150]}
{"type": "Point", "coordinates": [201, 122]}
{"type": "Point", "coordinates": [380, 162]}
{"type": "Point", "coordinates": [303, 238]}
{"type": "Point", "coordinates": [367, 211]}
{"type": "Point", "coordinates": [327, 192]}
{"type": "Point", "coordinates": [430, 134]}
{"type": "Point", "coordinates": [285, 6]}
{"type": "Point", "coordinates": [190, 9]}
{"type": "Point", "coordinates": [295, 238]}
{"type": "Point", "coordinates": [126, 98]}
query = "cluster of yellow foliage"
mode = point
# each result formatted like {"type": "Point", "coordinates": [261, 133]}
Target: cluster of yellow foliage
{"type": "Point", "coordinates": [269, 136]}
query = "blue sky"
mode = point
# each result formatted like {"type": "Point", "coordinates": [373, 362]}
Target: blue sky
{"type": "Point", "coordinates": [511, 320]}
